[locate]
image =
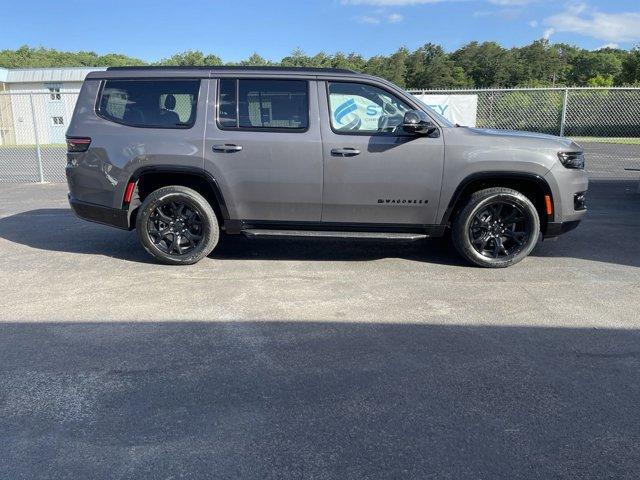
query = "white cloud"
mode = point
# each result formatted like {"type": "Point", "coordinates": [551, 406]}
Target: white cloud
{"type": "Point", "coordinates": [583, 20]}
{"type": "Point", "coordinates": [578, 18]}
{"type": "Point", "coordinates": [369, 20]}
{"type": "Point", "coordinates": [390, 3]}
{"type": "Point", "coordinates": [404, 3]}
{"type": "Point", "coordinates": [576, 8]}
{"type": "Point", "coordinates": [379, 18]}
{"type": "Point", "coordinates": [608, 45]}
{"type": "Point", "coordinates": [512, 3]}
{"type": "Point", "coordinates": [505, 13]}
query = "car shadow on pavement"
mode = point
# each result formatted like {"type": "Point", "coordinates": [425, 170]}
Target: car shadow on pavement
{"type": "Point", "coordinates": [238, 247]}
{"type": "Point", "coordinates": [609, 234]}
{"type": "Point", "coordinates": [328, 400]}
{"type": "Point", "coordinates": [57, 229]}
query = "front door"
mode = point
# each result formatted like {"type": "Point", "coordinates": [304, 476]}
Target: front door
{"type": "Point", "coordinates": [263, 147]}
{"type": "Point", "coordinates": [374, 172]}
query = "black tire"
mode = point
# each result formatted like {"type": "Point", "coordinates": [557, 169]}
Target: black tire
{"type": "Point", "coordinates": [177, 225]}
{"type": "Point", "coordinates": [496, 228]}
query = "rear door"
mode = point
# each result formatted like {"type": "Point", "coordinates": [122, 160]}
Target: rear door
{"type": "Point", "coordinates": [263, 147]}
{"type": "Point", "coordinates": [374, 172]}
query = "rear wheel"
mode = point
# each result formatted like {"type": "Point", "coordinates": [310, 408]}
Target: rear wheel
{"type": "Point", "coordinates": [497, 227]}
{"type": "Point", "coordinates": [177, 225]}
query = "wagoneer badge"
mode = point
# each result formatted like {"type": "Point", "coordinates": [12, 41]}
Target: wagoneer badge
{"type": "Point", "coordinates": [401, 200]}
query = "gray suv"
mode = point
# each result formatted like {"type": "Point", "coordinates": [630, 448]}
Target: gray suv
{"type": "Point", "coordinates": [184, 155]}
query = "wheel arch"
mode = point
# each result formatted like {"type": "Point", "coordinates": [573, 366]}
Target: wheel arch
{"type": "Point", "coordinates": [531, 185]}
{"type": "Point", "coordinates": [150, 178]}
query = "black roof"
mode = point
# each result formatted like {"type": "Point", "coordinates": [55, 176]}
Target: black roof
{"type": "Point", "coordinates": [236, 68]}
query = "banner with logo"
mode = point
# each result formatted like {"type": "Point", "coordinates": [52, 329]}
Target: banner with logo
{"type": "Point", "coordinates": [460, 109]}
{"type": "Point", "coordinates": [356, 113]}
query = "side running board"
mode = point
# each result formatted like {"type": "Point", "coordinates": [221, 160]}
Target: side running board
{"type": "Point", "coordinates": [266, 233]}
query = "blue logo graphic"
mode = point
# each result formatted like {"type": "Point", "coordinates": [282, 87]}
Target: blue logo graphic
{"type": "Point", "coordinates": [440, 108]}
{"type": "Point", "coordinates": [374, 111]}
{"type": "Point", "coordinates": [348, 109]}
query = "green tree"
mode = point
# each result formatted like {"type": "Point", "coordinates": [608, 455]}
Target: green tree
{"type": "Point", "coordinates": [392, 68]}
{"type": "Point", "coordinates": [587, 65]}
{"type": "Point", "coordinates": [27, 57]}
{"type": "Point", "coordinates": [630, 73]}
{"type": "Point", "coordinates": [256, 60]}
{"type": "Point", "coordinates": [486, 64]}
{"type": "Point", "coordinates": [539, 64]}
{"type": "Point", "coordinates": [191, 58]}
{"type": "Point", "coordinates": [352, 61]}
{"type": "Point", "coordinates": [476, 64]}
{"type": "Point", "coordinates": [430, 67]}
{"type": "Point", "coordinates": [321, 60]}
{"type": "Point", "coordinates": [297, 58]}
{"type": "Point", "coordinates": [600, 81]}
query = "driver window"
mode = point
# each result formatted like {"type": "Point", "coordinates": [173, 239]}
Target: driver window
{"type": "Point", "coordinates": [361, 108]}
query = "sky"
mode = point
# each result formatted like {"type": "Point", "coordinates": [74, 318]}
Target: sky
{"type": "Point", "coordinates": [235, 29]}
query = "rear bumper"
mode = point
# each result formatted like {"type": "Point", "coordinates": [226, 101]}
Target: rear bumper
{"type": "Point", "coordinates": [113, 217]}
{"type": "Point", "coordinates": [555, 229]}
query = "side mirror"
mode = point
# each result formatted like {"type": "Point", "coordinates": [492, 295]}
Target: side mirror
{"type": "Point", "coordinates": [418, 123]}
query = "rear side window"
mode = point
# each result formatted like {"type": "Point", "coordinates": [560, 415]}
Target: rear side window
{"type": "Point", "coordinates": [150, 103]}
{"type": "Point", "coordinates": [263, 104]}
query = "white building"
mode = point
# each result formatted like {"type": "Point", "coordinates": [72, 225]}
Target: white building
{"type": "Point", "coordinates": [38, 101]}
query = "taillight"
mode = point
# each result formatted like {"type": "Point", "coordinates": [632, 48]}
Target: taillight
{"type": "Point", "coordinates": [75, 145]}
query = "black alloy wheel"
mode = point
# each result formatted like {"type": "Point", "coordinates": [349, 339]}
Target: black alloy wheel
{"type": "Point", "coordinates": [499, 230]}
{"type": "Point", "coordinates": [496, 227]}
{"type": "Point", "coordinates": [175, 227]}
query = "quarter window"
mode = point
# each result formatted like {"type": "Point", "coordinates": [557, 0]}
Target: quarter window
{"type": "Point", "coordinates": [361, 108]}
{"type": "Point", "coordinates": [227, 104]}
{"type": "Point", "coordinates": [150, 103]}
{"type": "Point", "coordinates": [263, 104]}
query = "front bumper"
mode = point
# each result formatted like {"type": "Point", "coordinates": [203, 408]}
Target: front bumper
{"type": "Point", "coordinates": [113, 217]}
{"type": "Point", "coordinates": [565, 183]}
{"type": "Point", "coordinates": [569, 188]}
{"type": "Point", "coordinates": [555, 229]}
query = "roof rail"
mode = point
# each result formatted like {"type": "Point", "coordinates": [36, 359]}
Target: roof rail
{"type": "Point", "coordinates": [234, 68]}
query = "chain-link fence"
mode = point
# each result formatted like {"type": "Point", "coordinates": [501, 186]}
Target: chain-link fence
{"type": "Point", "coordinates": [32, 135]}
{"type": "Point", "coordinates": [605, 121]}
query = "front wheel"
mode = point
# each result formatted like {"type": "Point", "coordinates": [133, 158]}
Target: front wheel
{"type": "Point", "coordinates": [177, 225]}
{"type": "Point", "coordinates": [497, 227]}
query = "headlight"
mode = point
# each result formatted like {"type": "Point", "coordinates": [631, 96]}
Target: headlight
{"type": "Point", "coordinates": [572, 159]}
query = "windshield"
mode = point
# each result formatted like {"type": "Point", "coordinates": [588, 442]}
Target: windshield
{"type": "Point", "coordinates": [443, 120]}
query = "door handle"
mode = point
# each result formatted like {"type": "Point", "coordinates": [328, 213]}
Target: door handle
{"type": "Point", "coordinates": [227, 147]}
{"type": "Point", "coordinates": [345, 152]}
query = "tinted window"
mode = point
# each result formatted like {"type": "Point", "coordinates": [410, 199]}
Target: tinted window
{"type": "Point", "coordinates": [227, 103]}
{"type": "Point", "coordinates": [150, 103]}
{"type": "Point", "coordinates": [356, 107]}
{"type": "Point", "coordinates": [272, 104]}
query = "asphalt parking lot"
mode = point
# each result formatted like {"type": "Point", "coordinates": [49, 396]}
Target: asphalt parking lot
{"type": "Point", "coordinates": [309, 359]}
